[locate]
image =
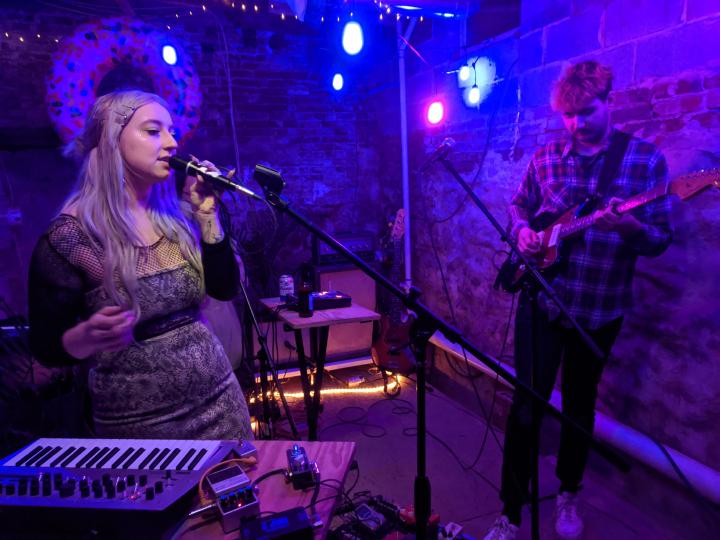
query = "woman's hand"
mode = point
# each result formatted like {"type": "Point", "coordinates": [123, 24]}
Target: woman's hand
{"type": "Point", "coordinates": [203, 201]}
{"type": "Point", "coordinates": [109, 329]}
{"type": "Point", "coordinates": [198, 192]}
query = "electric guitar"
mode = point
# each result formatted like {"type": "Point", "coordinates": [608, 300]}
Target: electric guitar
{"type": "Point", "coordinates": [553, 230]}
{"type": "Point", "coordinates": [391, 347]}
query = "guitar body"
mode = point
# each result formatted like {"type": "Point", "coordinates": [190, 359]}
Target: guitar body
{"type": "Point", "coordinates": [391, 345]}
{"type": "Point", "coordinates": [553, 250]}
{"type": "Point", "coordinates": [391, 348]}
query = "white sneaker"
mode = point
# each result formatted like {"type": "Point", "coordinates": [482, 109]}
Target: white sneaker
{"type": "Point", "coordinates": [502, 529]}
{"type": "Point", "coordinates": [568, 524]}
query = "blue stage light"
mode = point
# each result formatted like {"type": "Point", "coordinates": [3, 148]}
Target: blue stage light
{"type": "Point", "coordinates": [352, 38]}
{"type": "Point", "coordinates": [338, 82]}
{"type": "Point", "coordinates": [169, 55]}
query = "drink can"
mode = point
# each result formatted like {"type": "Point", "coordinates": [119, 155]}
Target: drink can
{"type": "Point", "coordinates": [287, 287]}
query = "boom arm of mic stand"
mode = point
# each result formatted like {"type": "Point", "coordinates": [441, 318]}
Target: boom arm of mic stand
{"type": "Point", "coordinates": [427, 323]}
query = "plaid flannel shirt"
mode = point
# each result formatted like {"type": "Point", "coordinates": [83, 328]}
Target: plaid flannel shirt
{"type": "Point", "coordinates": [597, 284]}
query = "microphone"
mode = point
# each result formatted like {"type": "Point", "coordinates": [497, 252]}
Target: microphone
{"type": "Point", "coordinates": [192, 168]}
{"type": "Point", "coordinates": [439, 153]}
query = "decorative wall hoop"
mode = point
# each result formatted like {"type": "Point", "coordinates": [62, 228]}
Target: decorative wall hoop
{"type": "Point", "coordinates": [97, 48]}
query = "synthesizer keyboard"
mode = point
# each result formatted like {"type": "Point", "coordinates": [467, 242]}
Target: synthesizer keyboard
{"type": "Point", "coordinates": [109, 474]}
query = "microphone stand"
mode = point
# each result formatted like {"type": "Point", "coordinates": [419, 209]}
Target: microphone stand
{"type": "Point", "coordinates": [532, 293]}
{"type": "Point", "coordinates": [426, 324]}
{"type": "Point", "coordinates": [267, 365]}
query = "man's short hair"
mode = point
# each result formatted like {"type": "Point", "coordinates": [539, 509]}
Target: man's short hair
{"type": "Point", "coordinates": [580, 84]}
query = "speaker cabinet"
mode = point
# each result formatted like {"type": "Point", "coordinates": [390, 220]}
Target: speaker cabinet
{"type": "Point", "coordinates": [352, 339]}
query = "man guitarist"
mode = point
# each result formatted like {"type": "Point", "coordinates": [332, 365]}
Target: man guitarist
{"type": "Point", "coordinates": [595, 280]}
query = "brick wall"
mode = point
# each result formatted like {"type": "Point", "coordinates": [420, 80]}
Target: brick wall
{"type": "Point", "coordinates": [664, 376]}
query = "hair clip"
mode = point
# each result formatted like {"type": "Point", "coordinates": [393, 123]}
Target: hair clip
{"type": "Point", "coordinates": [124, 118]}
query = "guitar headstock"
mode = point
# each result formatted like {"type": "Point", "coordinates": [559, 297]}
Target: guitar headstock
{"type": "Point", "coordinates": [691, 184]}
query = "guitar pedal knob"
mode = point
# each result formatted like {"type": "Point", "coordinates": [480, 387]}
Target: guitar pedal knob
{"type": "Point", "coordinates": [149, 494]}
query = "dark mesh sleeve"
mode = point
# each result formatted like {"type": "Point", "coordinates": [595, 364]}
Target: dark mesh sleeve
{"type": "Point", "coordinates": [55, 303]}
{"type": "Point", "coordinates": [221, 269]}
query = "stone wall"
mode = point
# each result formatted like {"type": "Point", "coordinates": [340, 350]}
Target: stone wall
{"type": "Point", "coordinates": [664, 375]}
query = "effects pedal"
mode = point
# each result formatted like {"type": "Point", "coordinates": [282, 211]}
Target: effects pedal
{"type": "Point", "coordinates": [302, 472]}
{"type": "Point", "coordinates": [235, 498]}
{"type": "Point", "coordinates": [369, 519]}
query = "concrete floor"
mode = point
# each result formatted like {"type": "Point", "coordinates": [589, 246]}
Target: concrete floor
{"type": "Point", "coordinates": [464, 472]}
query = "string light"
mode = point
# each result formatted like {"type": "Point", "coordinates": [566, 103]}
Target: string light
{"type": "Point", "coordinates": [384, 8]}
{"type": "Point", "coordinates": [392, 385]}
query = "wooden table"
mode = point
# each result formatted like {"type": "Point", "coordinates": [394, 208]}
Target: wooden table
{"type": "Point", "coordinates": [333, 459]}
{"type": "Point", "coordinates": [319, 326]}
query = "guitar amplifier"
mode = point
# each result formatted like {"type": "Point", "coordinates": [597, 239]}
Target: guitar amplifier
{"type": "Point", "coordinates": [361, 244]}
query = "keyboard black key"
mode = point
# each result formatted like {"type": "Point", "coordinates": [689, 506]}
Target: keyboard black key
{"type": "Point", "coordinates": [116, 464]}
{"type": "Point", "coordinates": [197, 459]}
{"type": "Point", "coordinates": [94, 450]}
{"type": "Point", "coordinates": [169, 459]}
{"type": "Point", "coordinates": [139, 452]}
{"type": "Point", "coordinates": [185, 459]}
{"type": "Point", "coordinates": [29, 455]}
{"type": "Point", "coordinates": [91, 463]}
{"type": "Point", "coordinates": [107, 457]}
{"type": "Point", "coordinates": [73, 456]}
{"type": "Point", "coordinates": [159, 458]}
{"type": "Point", "coordinates": [47, 456]}
{"type": "Point", "coordinates": [62, 456]}
{"type": "Point", "coordinates": [31, 462]}
{"type": "Point", "coordinates": [147, 459]}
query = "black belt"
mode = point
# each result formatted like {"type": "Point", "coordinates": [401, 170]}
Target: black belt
{"type": "Point", "coordinates": [160, 325]}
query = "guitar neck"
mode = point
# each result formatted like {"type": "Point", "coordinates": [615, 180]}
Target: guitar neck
{"type": "Point", "coordinates": [624, 207]}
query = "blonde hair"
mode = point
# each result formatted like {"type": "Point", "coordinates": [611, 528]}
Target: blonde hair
{"type": "Point", "coordinates": [100, 199]}
{"type": "Point", "coordinates": [581, 83]}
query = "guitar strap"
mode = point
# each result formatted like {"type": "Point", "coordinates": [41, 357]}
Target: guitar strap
{"type": "Point", "coordinates": [616, 151]}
